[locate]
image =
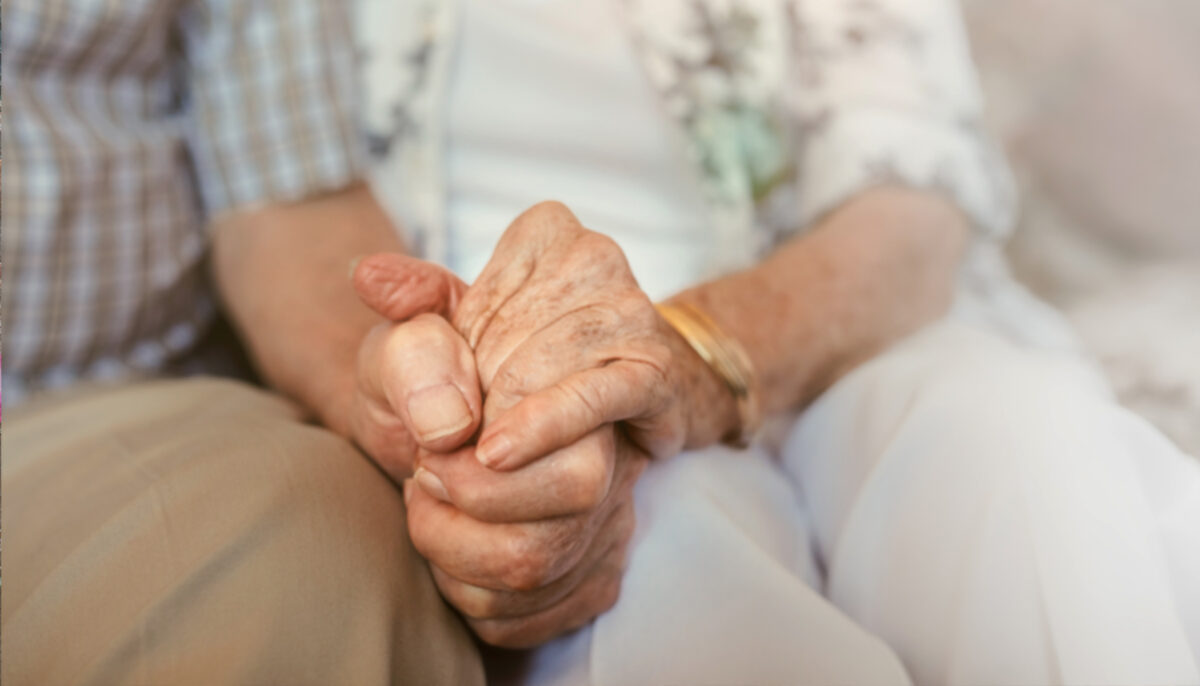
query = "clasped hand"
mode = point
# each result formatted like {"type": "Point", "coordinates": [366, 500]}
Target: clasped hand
{"type": "Point", "coordinates": [528, 403]}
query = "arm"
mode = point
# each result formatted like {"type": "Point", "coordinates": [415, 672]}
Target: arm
{"type": "Point", "coordinates": [284, 276]}
{"type": "Point", "coordinates": [883, 98]}
{"type": "Point", "coordinates": [274, 141]}
{"type": "Point", "coordinates": [871, 272]}
{"type": "Point", "coordinates": [567, 346]}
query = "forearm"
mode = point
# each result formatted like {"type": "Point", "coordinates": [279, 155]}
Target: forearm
{"type": "Point", "coordinates": [873, 271]}
{"type": "Point", "coordinates": [283, 274]}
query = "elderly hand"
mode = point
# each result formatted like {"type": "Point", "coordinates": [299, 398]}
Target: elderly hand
{"type": "Point", "coordinates": [583, 381]}
{"type": "Point", "coordinates": [416, 380]}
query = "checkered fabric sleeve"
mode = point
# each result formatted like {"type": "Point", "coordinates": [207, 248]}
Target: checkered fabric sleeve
{"type": "Point", "coordinates": [884, 92]}
{"type": "Point", "coordinates": [270, 85]}
{"type": "Point", "coordinates": [128, 127]}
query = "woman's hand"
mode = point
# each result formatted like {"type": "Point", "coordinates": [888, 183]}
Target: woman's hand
{"type": "Point", "coordinates": [583, 383]}
{"type": "Point", "coordinates": [528, 554]}
{"type": "Point", "coordinates": [566, 341]}
{"type": "Point", "coordinates": [416, 385]}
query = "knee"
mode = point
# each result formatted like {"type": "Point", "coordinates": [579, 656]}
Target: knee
{"type": "Point", "coordinates": [231, 472]}
{"type": "Point", "coordinates": [202, 499]}
{"type": "Point", "coordinates": [996, 412]}
{"type": "Point", "coordinates": [302, 486]}
{"type": "Point", "coordinates": [956, 395]}
{"type": "Point", "coordinates": [1010, 402]}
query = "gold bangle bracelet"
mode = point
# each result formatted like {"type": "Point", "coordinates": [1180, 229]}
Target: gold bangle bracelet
{"type": "Point", "coordinates": [726, 357]}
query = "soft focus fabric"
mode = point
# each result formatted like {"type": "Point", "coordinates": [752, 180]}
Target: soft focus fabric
{"type": "Point", "coordinates": [984, 508]}
{"type": "Point", "coordinates": [722, 588]}
{"type": "Point", "coordinates": [761, 95]}
{"type": "Point", "coordinates": [198, 532]}
{"type": "Point", "coordinates": [126, 125]}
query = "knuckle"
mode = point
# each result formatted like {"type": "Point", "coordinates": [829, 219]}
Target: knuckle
{"type": "Point", "coordinates": [417, 333]}
{"type": "Point", "coordinates": [475, 602]}
{"type": "Point", "coordinates": [585, 481]}
{"type": "Point", "coordinates": [471, 499]}
{"type": "Point", "coordinates": [548, 216]}
{"type": "Point", "coordinates": [597, 255]}
{"type": "Point", "coordinates": [501, 634]}
{"type": "Point", "coordinates": [600, 246]}
{"type": "Point", "coordinates": [511, 379]}
{"type": "Point", "coordinates": [522, 576]}
{"type": "Point", "coordinates": [493, 633]}
{"type": "Point", "coordinates": [610, 593]}
{"type": "Point", "coordinates": [551, 208]}
{"type": "Point", "coordinates": [585, 397]}
{"type": "Point", "coordinates": [527, 565]}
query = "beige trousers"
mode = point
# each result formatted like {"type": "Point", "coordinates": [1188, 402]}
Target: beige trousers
{"type": "Point", "coordinates": [197, 532]}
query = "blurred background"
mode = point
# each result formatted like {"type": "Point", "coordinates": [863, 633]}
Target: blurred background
{"type": "Point", "coordinates": [1098, 105]}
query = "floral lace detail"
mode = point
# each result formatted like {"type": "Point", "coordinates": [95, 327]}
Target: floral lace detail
{"type": "Point", "coordinates": [787, 108]}
{"type": "Point", "coordinates": [395, 68]}
{"type": "Point", "coordinates": [864, 24]}
{"type": "Point", "coordinates": [403, 50]}
{"type": "Point", "coordinates": [882, 92]}
{"type": "Point", "coordinates": [710, 72]}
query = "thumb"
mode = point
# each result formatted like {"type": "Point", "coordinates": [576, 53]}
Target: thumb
{"type": "Point", "coordinates": [400, 287]}
{"type": "Point", "coordinates": [423, 372]}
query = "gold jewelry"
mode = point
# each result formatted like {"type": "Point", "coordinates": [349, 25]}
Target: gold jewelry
{"type": "Point", "coordinates": [726, 357]}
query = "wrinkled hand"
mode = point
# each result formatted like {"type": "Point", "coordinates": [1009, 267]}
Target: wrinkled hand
{"type": "Point", "coordinates": [416, 381]}
{"type": "Point", "coordinates": [583, 382]}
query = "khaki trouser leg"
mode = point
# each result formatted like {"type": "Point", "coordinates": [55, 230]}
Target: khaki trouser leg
{"type": "Point", "coordinates": [196, 532]}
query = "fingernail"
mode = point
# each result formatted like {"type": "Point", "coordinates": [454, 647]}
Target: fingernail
{"type": "Point", "coordinates": [494, 450]}
{"type": "Point", "coordinates": [407, 488]}
{"type": "Point", "coordinates": [431, 484]}
{"type": "Point", "coordinates": [438, 411]}
{"type": "Point", "coordinates": [353, 266]}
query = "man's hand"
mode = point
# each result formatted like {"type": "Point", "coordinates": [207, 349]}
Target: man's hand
{"type": "Point", "coordinates": [282, 275]}
{"type": "Point", "coordinates": [583, 382]}
{"type": "Point", "coordinates": [416, 379]}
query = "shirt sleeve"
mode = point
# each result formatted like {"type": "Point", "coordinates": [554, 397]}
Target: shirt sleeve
{"type": "Point", "coordinates": [884, 91]}
{"type": "Point", "coordinates": [270, 97]}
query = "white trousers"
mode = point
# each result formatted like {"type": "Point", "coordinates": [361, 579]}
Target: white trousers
{"type": "Point", "coordinates": [960, 510]}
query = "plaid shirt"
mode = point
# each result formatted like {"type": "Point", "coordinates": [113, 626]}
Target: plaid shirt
{"type": "Point", "coordinates": [130, 124]}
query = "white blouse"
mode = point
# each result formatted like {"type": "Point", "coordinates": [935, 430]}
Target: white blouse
{"type": "Point", "coordinates": [778, 112]}
{"type": "Point", "coordinates": [547, 100]}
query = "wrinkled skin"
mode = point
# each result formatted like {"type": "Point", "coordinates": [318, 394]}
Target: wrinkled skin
{"type": "Point", "coordinates": [576, 382]}
{"type": "Point", "coordinates": [415, 296]}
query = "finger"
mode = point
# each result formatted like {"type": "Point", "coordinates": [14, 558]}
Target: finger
{"type": "Point", "coordinates": [528, 238]}
{"type": "Point", "coordinates": [572, 480]}
{"type": "Point", "coordinates": [559, 415]}
{"type": "Point", "coordinates": [511, 557]}
{"type": "Point", "coordinates": [400, 287]}
{"type": "Point", "coordinates": [597, 593]}
{"type": "Point", "coordinates": [485, 603]}
{"type": "Point", "coordinates": [423, 371]}
{"type": "Point", "coordinates": [519, 357]}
